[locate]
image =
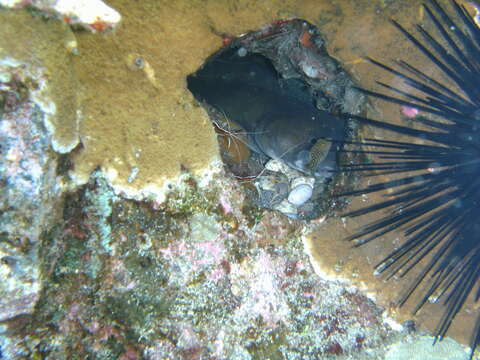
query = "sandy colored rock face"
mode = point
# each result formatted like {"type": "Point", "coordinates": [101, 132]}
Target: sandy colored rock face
{"type": "Point", "coordinates": [39, 54]}
{"type": "Point", "coordinates": [140, 124]}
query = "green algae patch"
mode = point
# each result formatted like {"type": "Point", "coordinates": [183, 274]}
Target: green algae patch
{"type": "Point", "coordinates": [40, 54]}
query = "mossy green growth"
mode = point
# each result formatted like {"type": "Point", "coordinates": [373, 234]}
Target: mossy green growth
{"type": "Point", "coordinates": [266, 345]}
{"type": "Point", "coordinates": [137, 310]}
{"type": "Point", "coordinates": [189, 199]}
{"type": "Point", "coordinates": [100, 199]}
{"type": "Point", "coordinates": [71, 263]}
{"type": "Point", "coordinates": [252, 213]}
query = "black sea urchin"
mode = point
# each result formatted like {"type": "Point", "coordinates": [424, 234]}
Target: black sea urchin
{"type": "Point", "coordinates": [433, 181]}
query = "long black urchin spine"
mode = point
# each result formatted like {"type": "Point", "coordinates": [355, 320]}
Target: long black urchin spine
{"type": "Point", "coordinates": [432, 179]}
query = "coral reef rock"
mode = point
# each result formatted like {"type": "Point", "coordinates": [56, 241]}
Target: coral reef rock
{"type": "Point", "coordinates": [191, 278]}
{"type": "Point", "coordinates": [39, 55]}
{"type": "Point", "coordinates": [94, 15]}
{"type": "Point", "coordinates": [30, 197]}
{"type": "Point", "coordinates": [38, 122]}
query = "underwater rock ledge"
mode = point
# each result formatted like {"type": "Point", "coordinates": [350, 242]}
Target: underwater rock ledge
{"type": "Point", "coordinates": [201, 273]}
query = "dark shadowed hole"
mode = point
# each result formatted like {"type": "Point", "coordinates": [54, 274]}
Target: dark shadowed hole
{"type": "Point", "coordinates": [276, 94]}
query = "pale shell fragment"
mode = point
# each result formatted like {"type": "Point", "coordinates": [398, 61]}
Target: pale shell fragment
{"type": "Point", "coordinates": [300, 194]}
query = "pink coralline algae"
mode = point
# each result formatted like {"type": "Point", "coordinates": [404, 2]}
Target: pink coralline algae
{"type": "Point", "coordinates": [263, 293]}
{"type": "Point", "coordinates": [203, 251]}
{"type": "Point", "coordinates": [266, 295]}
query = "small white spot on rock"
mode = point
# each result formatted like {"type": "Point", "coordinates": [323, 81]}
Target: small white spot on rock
{"type": "Point", "coordinates": [133, 174]}
{"type": "Point", "coordinates": [242, 52]}
{"type": "Point", "coordinates": [309, 70]}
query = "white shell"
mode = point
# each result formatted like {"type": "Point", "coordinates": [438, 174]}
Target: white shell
{"type": "Point", "coordinates": [300, 194]}
{"type": "Point", "coordinates": [242, 52]}
{"type": "Point", "coordinates": [309, 70]}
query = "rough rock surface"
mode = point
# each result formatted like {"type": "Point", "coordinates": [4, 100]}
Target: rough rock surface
{"type": "Point", "coordinates": [29, 202]}
{"type": "Point", "coordinates": [38, 120]}
{"type": "Point", "coordinates": [196, 277]}
{"type": "Point", "coordinates": [39, 55]}
{"type": "Point", "coordinates": [181, 278]}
